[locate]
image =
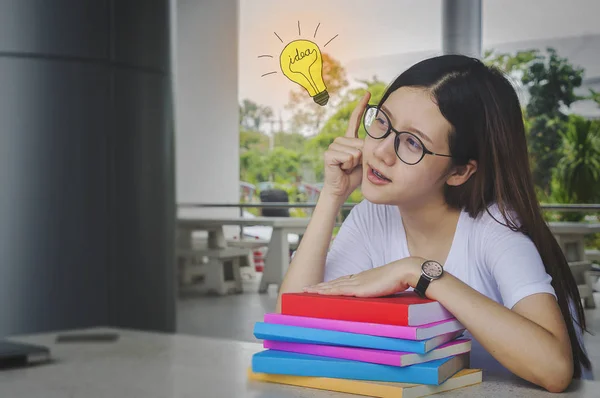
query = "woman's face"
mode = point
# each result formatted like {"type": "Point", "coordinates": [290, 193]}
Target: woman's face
{"type": "Point", "coordinates": [413, 110]}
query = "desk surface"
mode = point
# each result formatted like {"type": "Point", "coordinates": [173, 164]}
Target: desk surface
{"type": "Point", "coordinates": [275, 222]}
{"type": "Point", "coordinates": [152, 365]}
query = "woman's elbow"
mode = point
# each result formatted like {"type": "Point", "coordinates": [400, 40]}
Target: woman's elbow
{"type": "Point", "coordinates": [557, 386]}
{"type": "Point", "coordinates": [560, 378]}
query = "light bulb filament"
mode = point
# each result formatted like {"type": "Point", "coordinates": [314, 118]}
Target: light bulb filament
{"type": "Point", "coordinates": [300, 56]}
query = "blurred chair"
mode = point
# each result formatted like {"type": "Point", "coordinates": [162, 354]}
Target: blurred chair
{"type": "Point", "coordinates": [274, 196]}
{"type": "Point", "coordinates": [277, 196]}
{"type": "Point", "coordinates": [210, 271]}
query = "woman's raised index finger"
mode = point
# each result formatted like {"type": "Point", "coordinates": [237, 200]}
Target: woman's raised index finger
{"type": "Point", "coordinates": [357, 115]}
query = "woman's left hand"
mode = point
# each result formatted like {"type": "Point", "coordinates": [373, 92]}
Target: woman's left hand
{"type": "Point", "coordinates": [380, 281]}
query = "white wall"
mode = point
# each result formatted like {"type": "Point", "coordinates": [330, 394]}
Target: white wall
{"type": "Point", "coordinates": [206, 103]}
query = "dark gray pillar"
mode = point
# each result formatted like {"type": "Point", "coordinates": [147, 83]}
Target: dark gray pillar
{"type": "Point", "coordinates": [86, 165]}
{"type": "Point", "coordinates": [461, 27]}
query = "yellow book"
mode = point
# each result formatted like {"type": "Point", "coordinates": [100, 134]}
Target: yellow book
{"type": "Point", "coordinates": [464, 378]}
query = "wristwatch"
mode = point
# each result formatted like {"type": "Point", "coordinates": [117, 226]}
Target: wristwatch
{"type": "Point", "coordinates": [430, 270]}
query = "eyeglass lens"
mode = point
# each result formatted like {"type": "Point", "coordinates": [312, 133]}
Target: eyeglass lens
{"type": "Point", "coordinates": [408, 147]}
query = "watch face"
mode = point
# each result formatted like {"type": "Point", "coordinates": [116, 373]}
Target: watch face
{"type": "Point", "coordinates": [432, 269]}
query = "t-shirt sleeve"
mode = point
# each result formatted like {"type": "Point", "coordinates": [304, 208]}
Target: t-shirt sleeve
{"type": "Point", "coordinates": [349, 252]}
{"type": "Point", "coordinates": [515, 264]}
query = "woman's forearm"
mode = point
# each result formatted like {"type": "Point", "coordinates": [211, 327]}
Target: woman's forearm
{"type": "Point", "coordinates": [308, 265]}
{"type": "Point", "coordinates": [522, 346]}
{"type": "Point", "coordinates": [530, 340]}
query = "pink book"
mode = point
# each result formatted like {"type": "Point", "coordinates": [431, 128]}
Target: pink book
{"type": "Point", "coordinates": [383, 357]}
{"type": "Point", "coordinates": [423, 332]}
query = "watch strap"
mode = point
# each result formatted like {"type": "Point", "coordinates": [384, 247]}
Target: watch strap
{"type": "Point", "coordinates": [422, 285]}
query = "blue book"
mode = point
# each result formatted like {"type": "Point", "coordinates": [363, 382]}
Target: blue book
{"type": "Point", "coordinates": [289, 363]}
{"type": "Point", "coordinates": [297, 334]}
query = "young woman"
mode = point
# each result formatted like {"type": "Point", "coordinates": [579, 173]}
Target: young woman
{"type": "Point", "coordinates": [446, 180]}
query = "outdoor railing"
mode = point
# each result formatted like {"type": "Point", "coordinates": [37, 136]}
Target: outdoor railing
{"type": "Point", "coordinates": [586, 208]}
{"type": "Point", "coordinates": [285, 205]}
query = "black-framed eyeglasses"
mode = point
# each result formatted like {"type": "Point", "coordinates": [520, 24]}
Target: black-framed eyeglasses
{"type": "Point", "coordinates": [408, 146]}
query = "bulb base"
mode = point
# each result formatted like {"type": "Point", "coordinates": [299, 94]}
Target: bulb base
{"type": "Point", "coordinates": [322, 98]}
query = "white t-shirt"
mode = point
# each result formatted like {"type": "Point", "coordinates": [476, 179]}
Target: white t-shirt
{"type": "Point", "coordinates": [498, 262]}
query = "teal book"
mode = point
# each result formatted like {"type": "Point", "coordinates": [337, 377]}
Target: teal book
{"type": "Point", "coordinates": [298, 334]}
{"type": "Point", "coordinates": [288, 363]}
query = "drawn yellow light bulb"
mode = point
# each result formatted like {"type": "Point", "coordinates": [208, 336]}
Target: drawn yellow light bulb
{"type": "Point", "coordinates": [302, 63]}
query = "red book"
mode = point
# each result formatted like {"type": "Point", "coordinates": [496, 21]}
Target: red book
{"type": "Point", "coordinates": [404, 309]}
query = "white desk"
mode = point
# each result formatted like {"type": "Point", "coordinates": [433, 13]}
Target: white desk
{"type": "Point", "coordinates": [277, 259]}
{"type": "Point", "coordinates": [151, 365]}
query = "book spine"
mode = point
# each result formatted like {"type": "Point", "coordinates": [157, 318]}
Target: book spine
{"type": "Point", "coordinates": [382, 357]}
{"type": "Point", "coordinates": [306, 365]}
{"type": "Point", "coordinates": [357, 311]}
{"type": "Point", "coordinates": [295, 334]}
{"type": "Point", "coordinates": [463, 378]}
{"type": "Point", "coordinates": [373, 329]}
{"type": "Point", "coordinates": [356, 387]}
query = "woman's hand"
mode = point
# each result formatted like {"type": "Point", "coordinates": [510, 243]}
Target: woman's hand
{"type": "Point", "coordinates": [343, 174]}
{"type": "Point", "coordinates": [381, 281]}
{"type": "Point", "coordinates": [343, 159]}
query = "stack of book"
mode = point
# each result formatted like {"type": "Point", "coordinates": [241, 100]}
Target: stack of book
{"type": "Point", "coordinates": [401, 345]}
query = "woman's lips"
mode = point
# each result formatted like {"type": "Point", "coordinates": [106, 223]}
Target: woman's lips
{"type": "Point", "coordinates": [377, 177]}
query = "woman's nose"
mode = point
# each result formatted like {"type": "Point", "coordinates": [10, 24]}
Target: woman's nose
{"type": "Point", "coordinates": [385, 150]}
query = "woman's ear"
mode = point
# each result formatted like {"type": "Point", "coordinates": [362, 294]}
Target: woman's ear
{"type": "Point", "coordinates": [462, 173]}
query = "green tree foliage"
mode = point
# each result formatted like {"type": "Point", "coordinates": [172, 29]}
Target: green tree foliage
{"type": "Point", "coordinates": [577, 176]}
{"type": "Point", "coordinates": [282, 164]}
{"type": "Point", "coordinates": [578, 170]}
{"type": "Point", "coordinates": [292, 141]}
{"type": "Point", "coordinates": [253, 115]}
{"type": "Point", "coordinates": [511, 64]}
{"type": "Point", "coordinates": [595, 96]}
{"type": "Point", "coordinates": [252, 167]}
{"type": "Point", "coordinates": [551, 82]}
{"type": "Point", "coordinates": [250, 139]}
{"type": "Point", "coordinates": [307, 115]}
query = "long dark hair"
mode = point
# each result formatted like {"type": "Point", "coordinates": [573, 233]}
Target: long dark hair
{"type": "Point", "coordinates": [484, 110]}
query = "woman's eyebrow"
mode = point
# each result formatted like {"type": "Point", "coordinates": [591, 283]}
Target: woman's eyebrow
{"type": "Point", "coordinates": [418, 132]}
